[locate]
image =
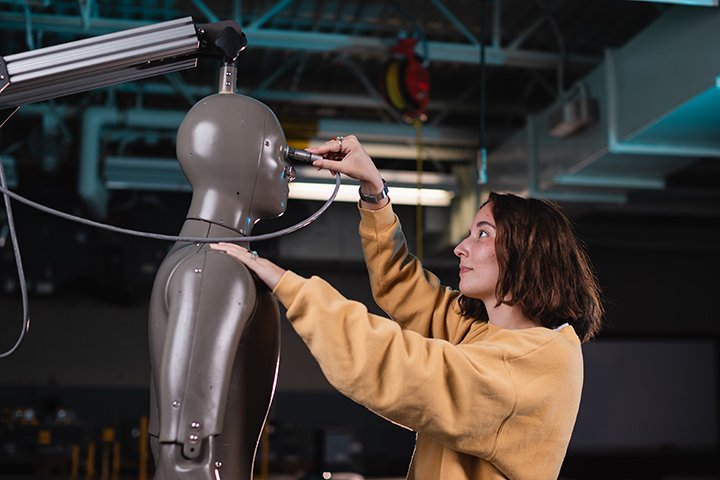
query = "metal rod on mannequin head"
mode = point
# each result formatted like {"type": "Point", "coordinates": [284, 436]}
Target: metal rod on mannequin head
{"type": "Point", "coordinates": [227, 39]}
{"type": "Point", "coordinates": [228, 78]}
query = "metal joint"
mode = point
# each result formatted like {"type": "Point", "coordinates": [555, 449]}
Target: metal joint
{"type": "Point", "coordinates": [4, 75]}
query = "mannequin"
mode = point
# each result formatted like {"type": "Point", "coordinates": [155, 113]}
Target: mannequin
{"type": "Point", "coordinates": [214, 333]}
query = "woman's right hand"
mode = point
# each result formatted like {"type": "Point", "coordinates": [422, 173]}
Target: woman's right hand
{"type": "Point", "coordinates": [355, 163]}
{"type": "Point", "coordinates": [266, 270]}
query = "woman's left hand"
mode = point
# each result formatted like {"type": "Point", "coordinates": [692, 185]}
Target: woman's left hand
{"type": "Point", "coordinates": [266, 270]}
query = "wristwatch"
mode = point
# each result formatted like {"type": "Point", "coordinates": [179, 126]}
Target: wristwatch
{"type": "Point", "coordinates": [374, 198]}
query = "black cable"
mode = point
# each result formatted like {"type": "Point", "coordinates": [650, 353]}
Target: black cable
{"type": "Point", "coordinates": [174, 238]}
{"type": "Point", "coordinates": [18, 264]}
{"type": "Point", "coordinates": [8, 194]}
{"type": "Point", "coordinates": [483, 73]}
{"type": "Point", "coordinates": [482, 154]}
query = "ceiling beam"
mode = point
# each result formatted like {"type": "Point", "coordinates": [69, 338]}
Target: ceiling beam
{"type": "Point", "coordinates": [316, 42]}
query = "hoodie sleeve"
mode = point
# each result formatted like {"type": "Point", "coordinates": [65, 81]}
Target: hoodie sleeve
{"type": "Point", "coordinates": [410, 295]}
{"type": "Point", "coordinates": [458, 394]}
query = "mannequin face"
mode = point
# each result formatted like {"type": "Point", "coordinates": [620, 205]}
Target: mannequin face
{"type": "Point", "coordinates": [232, 150]}
{"type": "Point", "coordinates": [274, 173]}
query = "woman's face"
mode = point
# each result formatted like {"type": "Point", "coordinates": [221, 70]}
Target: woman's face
{"type": "Point", "coordinates": [479, 269]}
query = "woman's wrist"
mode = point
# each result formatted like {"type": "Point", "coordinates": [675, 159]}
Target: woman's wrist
{"type": "Point", "coordinates": [372, 187]}
{"type": "Point", "coordinates": [375, 200]}
{"type": "Point", "coordinates": [374, 206]}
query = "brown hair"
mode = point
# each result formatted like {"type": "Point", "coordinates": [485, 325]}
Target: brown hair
{"type": "Point", "coordinates": [544, 268]}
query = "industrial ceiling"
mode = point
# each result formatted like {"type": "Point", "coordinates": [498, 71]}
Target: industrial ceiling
{"type": "Point", "coordinates": [645, 159]}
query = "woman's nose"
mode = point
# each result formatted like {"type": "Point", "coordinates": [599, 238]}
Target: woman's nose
{"type": "Point", "coordinates": [459, 250]}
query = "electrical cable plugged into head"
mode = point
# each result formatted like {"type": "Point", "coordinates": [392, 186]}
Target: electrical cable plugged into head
{"type": "Point", "coordinates": [8, 194]}
{"type": "Point", "coordinates": [303, 156]}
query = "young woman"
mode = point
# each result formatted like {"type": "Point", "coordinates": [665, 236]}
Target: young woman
{"type": "Point", "coordinates": [489, 376]}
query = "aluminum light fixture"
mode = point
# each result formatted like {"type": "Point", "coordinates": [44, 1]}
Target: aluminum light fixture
{"type": "Point", "coordinates": [136, 173]}
{"type": "Point", "coordinates": [437, 189]}
{"type": "Point", "coordinates": [427, 197]}
{"type": "Point", "coordinates": [90, 63]}
{"type": "Point", "coordinates": [114, 58]}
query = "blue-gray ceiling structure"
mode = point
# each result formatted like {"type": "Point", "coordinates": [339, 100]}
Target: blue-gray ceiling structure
{"type": "Point", "coordinates": [647, 151]}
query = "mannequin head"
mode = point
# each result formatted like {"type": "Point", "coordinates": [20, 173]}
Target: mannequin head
{"type": "Point", "coordinates": [232, 151]}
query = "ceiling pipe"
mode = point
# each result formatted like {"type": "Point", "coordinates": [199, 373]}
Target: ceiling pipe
{"type": "Point", "coordinates": [657, 107]}
{"type": "Point", "coordinates": [165, 174]}
{"type": "Point", "coordinates": [326, 99]}
{"type": "Point", "coordinates": [383, 140]}
{"type": "Point", "coordinates": [207, 11]}
{"type": "Point", "coordinates": [91, 190]}
{"type": "Point", "coordinates": [560, 195]}
{"type": "Point", "coordinates": [317, 42]}
{"type": "Point", "coordinates": [264, 18]}
{"type": "Point", "coordinates": [94, 120]}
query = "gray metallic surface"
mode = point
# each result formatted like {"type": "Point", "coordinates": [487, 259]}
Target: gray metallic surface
{"type": "Point", "coordinates": [231, 149]}
{"type": "Point", "coordinates": [100, 61]}
{"type": "Point", "coordinates": [228, 79]}
{"type": "Point", "coordinates": [214, 333]}
{"type": "Point", "coordinates": [37, 92]}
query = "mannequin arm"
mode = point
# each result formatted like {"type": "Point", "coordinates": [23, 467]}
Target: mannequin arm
{"type": "Point", "coordinates": [210, 299]}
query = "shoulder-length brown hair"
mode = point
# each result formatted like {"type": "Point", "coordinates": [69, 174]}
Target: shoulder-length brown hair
{"type": "Point", "coordinates": [543, 267]}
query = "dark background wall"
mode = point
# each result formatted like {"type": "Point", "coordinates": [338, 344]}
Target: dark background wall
{"type": "Point", "coordinates": [651, 377]}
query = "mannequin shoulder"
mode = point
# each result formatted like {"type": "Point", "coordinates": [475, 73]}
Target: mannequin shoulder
{"type": "Point", "coordinates": [212, 268]}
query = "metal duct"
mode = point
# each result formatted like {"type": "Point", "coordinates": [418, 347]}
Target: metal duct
{"type": "Point", "coordinates": [658, 106]}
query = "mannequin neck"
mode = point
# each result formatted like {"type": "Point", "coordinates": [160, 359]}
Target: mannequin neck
{"type": "Point", "coordinates": [222, 210]}
{"type": "Point", "coordinates": [194, 227]}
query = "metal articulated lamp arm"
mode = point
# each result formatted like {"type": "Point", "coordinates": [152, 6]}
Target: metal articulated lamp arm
{"type": "Point", "coordinates": [119, 57]}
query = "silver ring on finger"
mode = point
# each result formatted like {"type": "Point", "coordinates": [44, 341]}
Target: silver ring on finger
{"type": "Point", "coordinates": [254, 255]}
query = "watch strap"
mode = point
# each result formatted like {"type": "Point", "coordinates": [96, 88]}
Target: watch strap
{"type": "Point", "coordinates": [374, 198]}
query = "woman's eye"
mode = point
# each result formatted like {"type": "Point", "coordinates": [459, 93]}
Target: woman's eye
{"type": "Point", "coordinates": [482, 233]}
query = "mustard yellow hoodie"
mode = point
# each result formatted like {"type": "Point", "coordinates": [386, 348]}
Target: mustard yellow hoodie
{"type": "Point", "coordinates": [486, 403]}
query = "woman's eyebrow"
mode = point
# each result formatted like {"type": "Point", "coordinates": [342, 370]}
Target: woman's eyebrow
{"type": "Point", "coordinates": [483, 223]}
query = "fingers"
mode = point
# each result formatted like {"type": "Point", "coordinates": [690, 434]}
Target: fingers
{"type": "Point", "coordinates": [332, 165]}
{"type": "Point", "coordinates": [340, 144]}
{"type": "Point", "coordinates": [327, 147]}
{"type": "Point", "coordinates": [266, 270]}
{"type": "Point", "coordinates": [236, 251]}
{"type": "Point", "coordinates": [355, 161]}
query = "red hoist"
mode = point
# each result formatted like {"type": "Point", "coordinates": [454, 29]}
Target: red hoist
{"type": "Point", "coordinates": [406, 81]}
{"type": "Point", "coordinates": [406, 86]}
